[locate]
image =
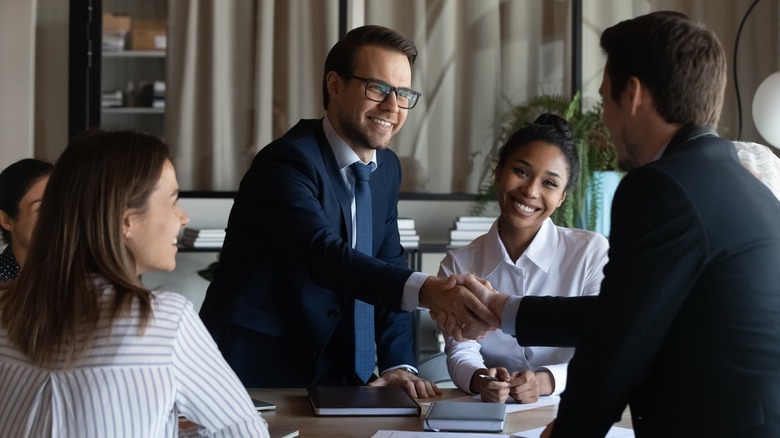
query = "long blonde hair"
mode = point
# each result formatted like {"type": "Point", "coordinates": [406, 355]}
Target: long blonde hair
{"type": "Point", "coordinates": [52, 309]}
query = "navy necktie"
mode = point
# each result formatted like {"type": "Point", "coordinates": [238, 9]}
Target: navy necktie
{"type": "Point", "coordinates": [364, 312]}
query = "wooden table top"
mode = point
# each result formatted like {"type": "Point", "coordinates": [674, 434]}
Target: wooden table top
{"type": "Point", "coordinates": [293, 411]}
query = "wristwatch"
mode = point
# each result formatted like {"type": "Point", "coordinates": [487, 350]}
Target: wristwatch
{"type": "Point", "coordinates": [409, 370]}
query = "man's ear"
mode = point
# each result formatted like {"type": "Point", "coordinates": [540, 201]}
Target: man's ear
{"type": "Point", "coordinates": [334, 84]}
{"type": "Point", "coordinates": [635, 94]}
{"type": "Point", "coordinates": [5, 221]}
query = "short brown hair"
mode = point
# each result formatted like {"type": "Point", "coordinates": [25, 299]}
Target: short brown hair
{"type": "Point", "coordinates": [680, 61]}
{"type": "Point", "coordinates": [341, 58]}
{"type": "Point", "coordinates": [78, 239]}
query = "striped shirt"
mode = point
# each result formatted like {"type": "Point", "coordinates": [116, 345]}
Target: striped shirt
{"type": "Point", "coordinates": [130, 385]}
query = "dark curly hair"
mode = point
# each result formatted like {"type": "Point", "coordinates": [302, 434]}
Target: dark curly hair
{"type": "Point", "coordinates": [547, 128]}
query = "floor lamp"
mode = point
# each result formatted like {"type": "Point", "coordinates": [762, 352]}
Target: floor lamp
{"type": "Point", "coordinates": [766, 109]}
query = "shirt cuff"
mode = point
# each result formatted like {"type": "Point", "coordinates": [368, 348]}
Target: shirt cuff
{"type": "Point", "coordinates": [411, 297]}
{"type": "Point", "coordinates": [404, 366]}
{"type": "Point", "coordinates": [509, 316]}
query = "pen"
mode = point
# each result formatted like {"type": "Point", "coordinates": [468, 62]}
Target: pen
{"type": "Point", "coordinates": [490, 378]}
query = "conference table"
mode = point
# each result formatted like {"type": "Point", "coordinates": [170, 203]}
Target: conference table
{"type": "Point", "coordinates": [294, 412]}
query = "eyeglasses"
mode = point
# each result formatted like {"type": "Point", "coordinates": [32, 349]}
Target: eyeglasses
{"type": "Point", "coordinates": [378, 91]}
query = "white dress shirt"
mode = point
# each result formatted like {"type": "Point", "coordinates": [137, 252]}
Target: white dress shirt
{"type": "Point", "coordinates": [130, 385]}
{"type": "Point", "coordinates": [345, 156]}
{"type": "Point", "coordinates": [559, 261]}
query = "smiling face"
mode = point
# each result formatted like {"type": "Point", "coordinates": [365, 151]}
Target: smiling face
{"type": "Point", "coordinates": [366, 125]}
{"type": "Point", "coordinates": [530, 186]}
{"type": "Point", "coordinates": [151, 234]}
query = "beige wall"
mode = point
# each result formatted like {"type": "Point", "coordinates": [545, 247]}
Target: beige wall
{"type": "Point", "coordinates": [34, 71]}
{"type": "Point", "coordinates": [33, 79]}
{"type": "Point", "coordinates": [17, 51]}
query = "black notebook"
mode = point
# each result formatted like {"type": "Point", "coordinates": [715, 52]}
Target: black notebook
{"type": "Point", "coordinates": [362, 400]}
{"type": "Point", "coordinates": [465, 417]}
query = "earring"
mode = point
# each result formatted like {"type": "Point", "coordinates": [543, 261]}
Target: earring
{"type": "Point", "coordinates": [127, 235]}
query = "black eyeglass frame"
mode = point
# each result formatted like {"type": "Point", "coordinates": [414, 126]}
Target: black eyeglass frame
{"type": "Point", "coordinates": [390, 89]}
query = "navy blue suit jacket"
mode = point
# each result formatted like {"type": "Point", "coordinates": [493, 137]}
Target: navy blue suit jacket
{"type": "Point", "coordinates": [686, 330]}
{"type": "Point", "coordinates": [280, 306]}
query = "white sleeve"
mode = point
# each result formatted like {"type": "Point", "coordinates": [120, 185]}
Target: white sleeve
{"type": "Point", "coordinates": [208, 391]}
{"type": "Point", "coordinates": [463, 358]}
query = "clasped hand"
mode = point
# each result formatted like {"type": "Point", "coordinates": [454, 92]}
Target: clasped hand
{"type": "Point", "coordinates": [496, 385]}
{"type": "Point", "coordinates": [464, 307]}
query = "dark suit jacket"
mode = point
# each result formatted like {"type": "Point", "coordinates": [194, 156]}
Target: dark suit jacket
{"type": "Point", "coordinates": [280, 306]}
{"type": "Point", "coordinates": [686, 329]}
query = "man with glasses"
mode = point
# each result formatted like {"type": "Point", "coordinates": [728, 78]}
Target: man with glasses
{"type": "Point", "coordinates": [305, 289]}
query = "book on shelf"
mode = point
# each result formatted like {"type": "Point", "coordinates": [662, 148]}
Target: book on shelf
{"type": "Point", "coordinates": [362, 401]}
{"type": "Point", "coordinates": [204, 232]}
{"type": "Point", "coordinates": [466, 234]}
{"type": "Point", "coordinates": [470, 226]}
{"type": "Point", "coordinates": [405, 223]}
{"type": "Point", "coordinates": [465, 417]}
{"type": "Point", "coordinates": [478, 219]}
{"type": "Point", "coordinates": [202, 242]}
{"type": "Point", "coordinates": [405, 232]}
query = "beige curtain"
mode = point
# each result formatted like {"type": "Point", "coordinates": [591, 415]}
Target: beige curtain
{"type": "Point", "coordinates": [241, 72]}
{"type": "Point", "coordinates": [474, 57]}
{"type": "Point", "coordinates": [757, 57]}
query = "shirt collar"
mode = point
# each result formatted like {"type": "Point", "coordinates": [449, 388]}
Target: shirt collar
{"type": "Point", "coordinates": [344, 154]}
{"type": "Point", "coordinates": [540, 252]}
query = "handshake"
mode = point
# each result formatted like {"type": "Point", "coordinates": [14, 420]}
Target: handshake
{"type": "Point", "coordinates": [464, 306]}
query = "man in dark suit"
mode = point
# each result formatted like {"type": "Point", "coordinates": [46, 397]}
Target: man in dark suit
{"type": "Point", "coordinates": [293, 273]}
{"type": "Point", "coordinates": [686, 330]}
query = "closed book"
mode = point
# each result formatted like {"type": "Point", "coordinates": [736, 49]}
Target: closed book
{"type": "Point", "coordinates": [200, 243]}
{"type": "Point", "coordinates": [466, 234]}
{"type": "Point", "coordinates": [483, 226]}
{"type": "Point", "coordinates": [405, 224]}
{"type": "Point", "coordinates": [208, 232]}
{"type": "Point", "coordinates": [362, 400]}
{"type": "Point", "coordinates": [488, 219]}
{"type": "Point", "coordinates": [465, 417]}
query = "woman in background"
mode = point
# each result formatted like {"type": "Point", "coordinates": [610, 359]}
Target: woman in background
{"type": "Point", "coordinates": [85, 349]}
{"type": "Point", "coordinates": [21, 189]}
{"type": "Point", "coordinates": [761, 162]}
{"type": "Point", "coordinates": [526, 253]}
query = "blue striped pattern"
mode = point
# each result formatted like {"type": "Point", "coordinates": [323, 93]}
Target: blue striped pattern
{"type": "Point", "coordinates": [129, 385]}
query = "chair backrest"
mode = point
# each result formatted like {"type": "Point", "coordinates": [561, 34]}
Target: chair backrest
{"type": "Point", "coordinates": [434, 369]}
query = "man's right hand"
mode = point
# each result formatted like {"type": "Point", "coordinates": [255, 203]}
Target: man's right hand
{"type": "Point", "coordinates": [454, 325]}
{"type": "Point", "coordinates": [464, 311]}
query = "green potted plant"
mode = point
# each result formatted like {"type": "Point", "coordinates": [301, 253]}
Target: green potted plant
{"type": "Point", "coordinates": [596, 152]}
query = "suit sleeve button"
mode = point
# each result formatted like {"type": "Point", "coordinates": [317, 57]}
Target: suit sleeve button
{"type": "Point", "coordinates": [334, 313]}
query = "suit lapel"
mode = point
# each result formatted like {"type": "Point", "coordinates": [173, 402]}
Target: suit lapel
{"type": "Point", "coordinates": [334, 175]}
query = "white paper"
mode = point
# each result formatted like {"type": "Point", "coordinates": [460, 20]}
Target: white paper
{"type": "Point", "coordinates": [407, 434]}
{"type": "Point", "coordinates": [511, 405]}
{"type": "Point", "coordinates": [614, 432]}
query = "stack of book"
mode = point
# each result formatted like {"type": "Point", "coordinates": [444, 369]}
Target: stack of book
{"type": "Point", "coordinates": [203, 238]}
{"type": "Point", "coordinates": [110, 99]}
{"type": "Point", "coordinates": [468, 228]}
{"type": "Point", "coordinates": [409, 237]}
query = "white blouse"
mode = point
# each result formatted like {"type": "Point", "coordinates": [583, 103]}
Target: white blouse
{"type": "Point", "coordinates": [559, 262]}
{"type": "Point", "coordinates": [130, 385]}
